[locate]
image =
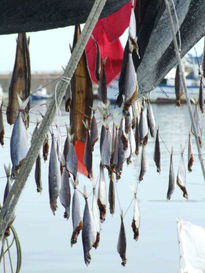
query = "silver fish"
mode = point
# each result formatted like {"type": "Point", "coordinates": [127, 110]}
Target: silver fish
{"type": "Point", "coordinates": [144, 163]}
{"type": "Point", "coordinates": [157, 154]}
{"type": "Point", "coordinates": [143, 127]}
{"type": "Point", "coordinates": [102, 195]}
{"type": "Point", "coordinates": [76, 217]}
{"type": "Point", "coordinates": [88, 156]}
{"type": "Point", "coordinates": [150, 119]}
{"type": "Point", "coordinates": [88, 232]}
{"type": "Point", "coordinates": [136, 218]}
{"type": "Point", "coordinates": [132, 28]}
{"type": "Point", "coordinates": [96, 215]}
{"type": "Point", "coordinates": [181, 176]}
{"type": "Point", "coordinates": [172, 182]}
{"type": "Point", "coordinates": [71, 160]}
{"type": "Point", "coordinates": [114, 156]}
{"type": "Point", "coordinates": [106, 148]}
{"type": "Point", "coordinates": [122, 243]}
{"type": "Point", "coordinates": [132, 144]}
{"type": "Point", "coordinates": [190, 155]}
{"type": "Point", "coordinates": [65, 194]}
{"type": "Point", "coordinates": [93, 132]}
{"type": "Point", "coordinates": [19, 139]}
{"type": "Point", "coordinates": [197, 120]}
{"type": "Point", "coordinates": [121, 151]}
{"type": "Point", "coordinates": [54, 177]}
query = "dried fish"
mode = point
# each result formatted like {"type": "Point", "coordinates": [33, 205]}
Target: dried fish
{"type": "Point", "coordinates": [76, 217]}
{"type": "Point", "coordinates": [114, 156]}
{"type": "Point", "coordinates": [132, 29]}
{"type": "Point", "coordinates": [144, 163]}
{"type": "Point", "coordinates": [88, 156]}
{"type": "Point", "coordinates": [54, 177]}
{"type": "Point", "coordinates": [65, 194]}
{"type": "Point", "coordinates": [111, 194]}
{"type": "Point", "coordinates": [19, 139]}
{"type": "Point", "coordinates": [121, 151]}
{"type": "Point", "coordinates": [121, 245]}
{"type": "Point", "coordinates": [172, 183]}
{"type": "Point", "coordinates": [96, 215]}
{"type": "Point", "coordinates": [93, 131]}
{"type": "Point", "coordinates": [181, 176]}
{"type": "Point", "coordinates": [136, 218]}
{"type": "Point", "coordinates": [197, 120]}
{"type": "Point", "coordinates": [68, 98]}
{"type": "Point", "coordinates": [132, 144]}
{"type": "Point", "coordinates": [1, 126]}
{"type": "Point", "coordinates": [178, 87]}
{"type": "Point", "coordinates": [102, 88]}
{"type": "Point", "coordinates": [102, 136]}
{"type": "Point", "coordinates": [150, 119]}
{"type": "Point", "coordinates": [157, 154]}
{"type": "Point", "coordinates": [106, 147]}
{"type": "Point", "coordinates": [102, 195]}
{"type": "Point", "coordinates": [190, 154]}
{"type": "Point", "coordinates": [143, 127]}
{"type": "Point", "coordinates": [98, 61]}
{"type": "Point", "coordinates": [71, 160]}
{"type": "Point", "coordinates": [203, 61]}
{"type": "Point", "coordinates": [137, 137]}
{"type": "Point", "coordinates": [201, 95]}
{"type": "Point", "coordinates": [38, 174]}
{"type": "Point", "coordinates": [88, 232]}
{"type": "Point", "coordinates": [45, 148]}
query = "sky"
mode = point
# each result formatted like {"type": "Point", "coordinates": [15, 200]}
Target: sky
{"type": "Point", "coordinates": [49, 50]}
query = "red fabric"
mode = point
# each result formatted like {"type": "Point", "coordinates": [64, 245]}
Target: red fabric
{"type": "Point", "coordinates": [80, 148]}
{"type": "Point", "coordinates": [107, 32]}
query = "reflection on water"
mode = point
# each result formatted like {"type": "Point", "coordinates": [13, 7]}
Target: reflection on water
{"type": "Point", "coordinates": [45, 238]}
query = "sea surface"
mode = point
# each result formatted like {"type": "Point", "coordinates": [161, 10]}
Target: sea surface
{"type": "Point", "coordinates": [45, 238]}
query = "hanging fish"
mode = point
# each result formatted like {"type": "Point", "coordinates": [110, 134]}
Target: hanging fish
{"type": "Point", "coordinates": [19, 139]}
{"type": "Point", "coordinates": [201, 95]}
{"type": "Point", "coordinates": [133, 30]}
{"type": "Point", "coordinates": [106, 147]}
{"type": "Point", "coordinates": [128, 120]}
{"type": "Point", "coordinates": [114, 155]}
{"type": "Point", "coordinates": [178, 87]}
{"type": "Point", "coordinates": [53, 177]}
{"type": "Point", "coordinates": [88, 156]}
{"type": "Point", "coordinates": [102, 195]}
{"type": "Point", "coordinates": [45, 147]}
{"type": "Point", "coordinates": [143, 127]}
{"type": "Point", "coordinates": [190, 155]}
{"type": "Point", "coordinates": [150, 119]}
{"type": "Point", "coordinates": [68, 98]}
{"type": "Point", "coordinates": [132, 144]}
{"type": "Point", "coordinates": [203, 60]}
{"type": "Point", "coordinates": [88, 232]}
{"type": "Point", "coordinates": [21, 79]}
{"type": "Point", "coordinates": [38, 174]}
{"type": "Point", "coordinates": [181, 176]}
{"type": "Point", "coordinates": [121, 245]}
{"type": "Point", "coordinates": [121, 151]}
{"type": "Point", "coordinates": [71, 160]}
{"type": "Point", "coordinates": [93, 131]}
{"type": "Point", "coordinates": [1, 126]}
{"type": "Point", "coordinates": [197, 120]}
{"type": "Point", "coordinates": [102, 88]}
{"type": "Point", "coordinates": [98, 60]}
{"type": "Point", "coordinates": [144, 163]}
{"type": "Point", "coordinates": [59, 149]}
{"type": "Point", "coordinates": [137, 137]}
{"type": "Point", "coordinates": [157, 155]}
{"type": "Point", "coordinates": [171, 186]}
{"type": "Point", "coordinates": [76, 216]}
{"type": "Point", "coordinates": [6, 192]}
{"type": "Point", "coordinates": [65, 195]}
{"type": "Point", "coordinates": [130, 84]}
{"type": "Point", "coordinates": [111, 194]}
{"type": "Point", "coordinates": [96, 215]}
{"type": "Point", "coordinates": [66, 145]}
{"type": "Point", "coordinates": [136, 218]}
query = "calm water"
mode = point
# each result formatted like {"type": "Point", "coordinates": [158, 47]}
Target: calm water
{"type": "Point", "coordinates": [45, 239]}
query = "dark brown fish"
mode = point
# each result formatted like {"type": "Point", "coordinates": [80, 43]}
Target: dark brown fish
{"type": "Point", "coordinates": [178, 87]}
{"type": "Point", "coordinates": [1, 127]}
{"type": "Point", "coordinates": [102, 88]}
{"type": "Point", "coordinates": [201, 95]}
{"type": "Point", "coordinates": [157, 154]}
{"type": "Point", "coordinates": [150, 119]}
{"type": "Point", "coordinates": [71, 160]}
{"type": "Point", "coordinates": [98, 61]}
{"type": "Point", "coordinates": [88, 156]}
{"type": "Point", "coordinates": [121, 245]}
{"type": "Point", "coordinates": [45, 148]}
{"type": "Point", "coordinates": [114, 157]}
{"type": "Point", "coordinates": [190, 155]}
{"type": "Point", "coordinates": [172, 183]}
{"type": "Point", "coordinates": [111, 195]}
{"type": "Point", "coordinates": [38, 174]}
{"type": "Point", "coordinates": [181, 176]}
{"type": "Point", "coordinates": [68, 98]}
{"type": "Point", "coordinates": [121, 152]}
{"type": "Point", "coordinates": [93, 131]}
{"type": "Point", "coordinates": [20, 81]}
{"type": "Point", "coordinates": [203, 61]}
{"type": "Point", "coordinates": [137, 137]}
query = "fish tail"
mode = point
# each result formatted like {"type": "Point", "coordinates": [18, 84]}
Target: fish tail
{"type": "Point", "coordinates": [7, 169]}
{"type": "Point", "coordinates": [22, 104]}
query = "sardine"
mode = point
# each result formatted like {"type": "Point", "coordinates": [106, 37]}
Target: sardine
{"type": "Point", "coordinates": [181, 176]}
{"type": "Point", "coordinates": [1, 126]}
{"type": "Point", "coordinates": [65, 194]}
{"type": "Point", "coordinates": [197, 120]}
{"type": "Point", "coordinates": [38, 174]}
{"type": "Point", "coordinates": [132, 144]}
{"type": "Point", "coordinates": [121, 245]}
{"type": "Point", "coordinates": [102, 88]}
{"type": "Point", "coordinates": [150, 119]}
{"type": "Point", "coordinates": [19, 139]}
{"type": "Point", "coordinates": [54, 177]}
{"type": "Point", "coordinates": [71, 160]}
{"type": "Point", "coordinates": [76, 217]}
{"type": "Point", "coordinates": [143, 127]}
{"type": "Point", "coordinates": [88, 232]}
{"type": "Point", "coordinates": [68, 98]}
{"type": "Point", "coordinates": [178, 87]}
{"type": "Point", "coordinates": [172, 183]}
{"type": "Point", "coordinates": [157, 154]}
{"type": "Point", "coordinates": [102, 195]}
{"type": "Point", "coordinates": [136, 218]}
{"type": "Point", "coordinates": [201, 95]}
{"type": "Point", "coordinates": [190, 155]}
{"type": "Point", "coordinates": [98, 61]}
{"type": "Point", "coordinates": [111, 194]}
{"type": "Point", "coordinates": [106, 148]}
{"type": "Point", "coordinates": [96, 215]}
{"type": "Point", "coordinates": [137, 137]}
{"type": "Point", "coordinates": [88, 156]}
{"type": "Point", "coordinates": [93, 131]}
{"type": "Point", "coordinates": [144, 163]}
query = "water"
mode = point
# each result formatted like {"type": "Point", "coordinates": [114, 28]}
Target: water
{"type": "Point", "coordinates": [45, 239]}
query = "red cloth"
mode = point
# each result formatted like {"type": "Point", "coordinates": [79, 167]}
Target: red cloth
{"type": "Point", "coordinates": [107, 32]}
{"type": "Point", "coordinates": [80, 148]}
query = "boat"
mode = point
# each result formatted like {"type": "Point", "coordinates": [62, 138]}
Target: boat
{"type": "Point", "coordinates": [40, 94]}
